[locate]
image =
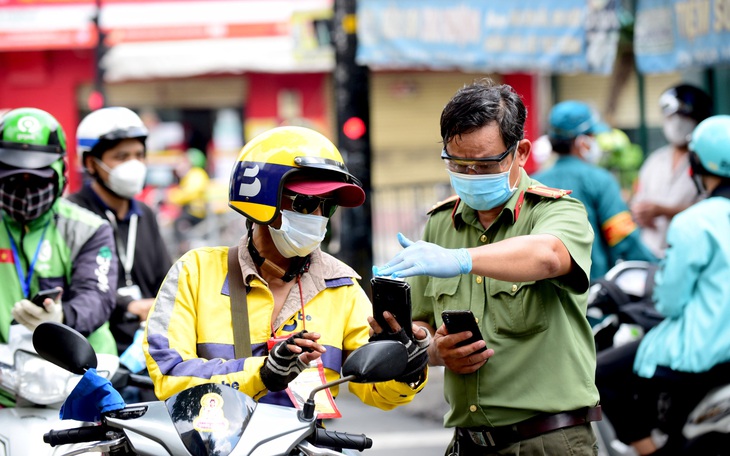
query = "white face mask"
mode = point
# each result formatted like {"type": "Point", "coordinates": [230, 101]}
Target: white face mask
{"type": "Point", "coordinates": [594, 153]}
{"type": "Point", "coordinates": [677, 129]}
{"type": "Point", "coordinates": [300, 234]}
{"type": "Point", "coordinates": [126, 179]}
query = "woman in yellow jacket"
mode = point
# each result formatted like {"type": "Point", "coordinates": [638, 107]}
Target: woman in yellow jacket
{"type": "Point", "coordinates": [303, 304]}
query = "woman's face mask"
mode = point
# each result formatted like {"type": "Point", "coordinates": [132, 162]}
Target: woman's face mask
{"type": "Point", "coordinates": [483, 191]}
{"type": "Point", "coordinates": [677, 129]}
{"type": "Point", "coordinates": [300, 234]}
{"type": "Point", "coordinates": [126, 179]}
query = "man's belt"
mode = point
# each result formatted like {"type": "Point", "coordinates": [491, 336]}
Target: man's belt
{"type": "Point", "coordinates": [540, 424]}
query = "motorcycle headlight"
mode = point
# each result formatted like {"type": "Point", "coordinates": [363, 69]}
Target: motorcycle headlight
{"type": "Point", "coordinates": [41, 382]}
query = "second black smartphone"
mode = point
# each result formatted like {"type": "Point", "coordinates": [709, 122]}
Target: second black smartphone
{"type": "Point", "coordinates": [457, 321]}
{"type": "Point", "coordinates": [395, 297]}
{"type": "Point", "coordinates": [43, 294]}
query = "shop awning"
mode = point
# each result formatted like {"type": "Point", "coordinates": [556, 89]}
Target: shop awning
{"type": "Point", "coordinates": [167, 39]}
{"type": "Point", "coordinates": [671, 35]}
{"type": "Point", "coordinates": [569, 36]}
{"type": "Point", "coordinates": [179, 39]}
{"type": "Point", "coordinates": [36, 25]}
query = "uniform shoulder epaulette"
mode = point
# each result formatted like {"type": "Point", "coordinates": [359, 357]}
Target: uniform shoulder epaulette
{"type": "Point", "coordinates": [548, 192]}
{"type": "Point", "coordinates": [444, 204]}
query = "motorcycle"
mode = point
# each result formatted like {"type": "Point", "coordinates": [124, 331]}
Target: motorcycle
{"type": "Point", "coordinates": [39, 389]}
{"type": "Point", "coordinates": [212, 419]}
{"type": "Point", "coordinates": [620, 310]}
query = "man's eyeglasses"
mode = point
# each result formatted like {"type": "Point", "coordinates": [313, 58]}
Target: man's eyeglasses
{"type": "Point", "coordinates": [487, 165]}
{"type": "Point", "coordinates": [307, 204]}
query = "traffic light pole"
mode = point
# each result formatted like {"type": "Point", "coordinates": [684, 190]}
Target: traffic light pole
{"type": "Point", "coordinates": [351, 85]}
{"type": "Point", "coordinates": [97, 98]}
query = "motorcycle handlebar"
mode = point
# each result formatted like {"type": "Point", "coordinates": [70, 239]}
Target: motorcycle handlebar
{"type": "Point", "coordinates": [323, 437]}
{"type": "Point", "coordinates": [141, 381]}
{"type": "Point", "coordinates": [123, 378]}
{"type": "Point", "coordinates": [75, 435]}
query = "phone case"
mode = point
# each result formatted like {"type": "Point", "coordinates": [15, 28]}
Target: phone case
{"type": "Point", "coordinates": [457, 321]}
{"type": "Point", "coordinates": [395, 297]}
{"type": "Point", "coordinates": [43, 294]}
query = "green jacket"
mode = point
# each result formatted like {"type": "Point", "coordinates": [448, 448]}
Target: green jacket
{"type": "Point", "coordinates": [75, 250]}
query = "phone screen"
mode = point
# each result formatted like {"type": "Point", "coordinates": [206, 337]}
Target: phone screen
{"type": "Point", "coordinates": [395, 297]}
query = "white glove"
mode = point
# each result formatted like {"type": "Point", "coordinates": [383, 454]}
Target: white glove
{"type": "Point", "coordinates": [31, 315]}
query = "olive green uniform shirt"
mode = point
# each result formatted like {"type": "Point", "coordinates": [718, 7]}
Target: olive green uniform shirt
{"type": "Point", "coordinates": [544, 356]}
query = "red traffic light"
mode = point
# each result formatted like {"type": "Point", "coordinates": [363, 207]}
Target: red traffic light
{"type": "Point", "coordinates": [354, 128]}
{"type": "Point", "coordinates": [96, 100]}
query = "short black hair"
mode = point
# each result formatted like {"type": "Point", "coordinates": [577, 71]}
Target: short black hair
{"type": "Point", "coordinates": [480, 103]}
{"type": "Point", "coordinates": [561, 146]}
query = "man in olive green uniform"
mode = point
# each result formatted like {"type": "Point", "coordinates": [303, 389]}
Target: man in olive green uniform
{"type": "Point", "coordinates": [517, 254]}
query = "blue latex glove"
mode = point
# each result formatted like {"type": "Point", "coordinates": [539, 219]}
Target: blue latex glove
{"type": "Point", "coordinates": [93, 396]}
{"type": "Point", "coordinates": [425, 258]}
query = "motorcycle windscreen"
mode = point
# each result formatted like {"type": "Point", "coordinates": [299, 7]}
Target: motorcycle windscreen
{"type": "Point", "coordinates": [210, 418]}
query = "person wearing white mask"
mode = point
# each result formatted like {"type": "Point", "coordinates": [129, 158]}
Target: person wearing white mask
{"type": "Point", "coordinates": [572, 132]}
{"type": "Point", "coordinates": [664, 187]}
{"type": "Point", "coordinates": [273, 313]}
{"type": "Point", "coordinates": [111, 147]}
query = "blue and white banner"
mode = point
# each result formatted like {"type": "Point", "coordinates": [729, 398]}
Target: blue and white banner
{"type": "Point", "coordinates": [569, 36]}
{"type": "Point", "coordinates": [671, 35]}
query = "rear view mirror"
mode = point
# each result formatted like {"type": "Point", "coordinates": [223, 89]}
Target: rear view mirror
{"type": "Point", "coordinates": [64, 346]}
{"type": "Point", "coordinates": [377, 361]}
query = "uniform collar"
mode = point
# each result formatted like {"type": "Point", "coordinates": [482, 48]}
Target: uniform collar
{"type": "Point", "coordinates": [569, 159]}
{"type": "Point", "coordinates": [465, 215]}
{"type": "Point", "coordinates": [133, 204]}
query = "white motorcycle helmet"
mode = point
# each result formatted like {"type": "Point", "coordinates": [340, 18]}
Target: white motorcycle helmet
{"type": "Point", "coordinates": [101, 129]}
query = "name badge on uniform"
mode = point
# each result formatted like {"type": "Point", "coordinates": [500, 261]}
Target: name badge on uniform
{"type": "Point", "coordinates": [132, 291]}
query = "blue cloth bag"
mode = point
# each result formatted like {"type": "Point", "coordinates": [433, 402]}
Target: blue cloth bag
{"type": "Point", "coordinates": [93, 396]}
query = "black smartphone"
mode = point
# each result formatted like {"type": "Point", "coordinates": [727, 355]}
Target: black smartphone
{"type": "Point", "coordinates": [395, 297]}
{"type": "Point", "coordinates": [41, 296]}
{"type": "Point", "coordinates": [457, 321]}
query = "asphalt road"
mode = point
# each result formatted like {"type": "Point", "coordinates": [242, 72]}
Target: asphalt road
{"type": "Point", "coordinates": [411, 430]}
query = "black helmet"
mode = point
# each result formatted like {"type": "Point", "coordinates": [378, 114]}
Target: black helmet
{"type": "Point", "coordinates": [687, 100]}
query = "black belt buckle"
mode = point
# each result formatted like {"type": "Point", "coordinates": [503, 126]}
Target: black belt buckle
{"type": "Point", "coordinates": [481, 438]}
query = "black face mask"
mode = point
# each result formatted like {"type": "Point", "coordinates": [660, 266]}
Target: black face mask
{"type": "Point", "coordinates": [25, 198]}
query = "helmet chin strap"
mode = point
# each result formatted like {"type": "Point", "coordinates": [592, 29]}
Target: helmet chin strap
{"type": "Point", "coordinates": [298, 265]}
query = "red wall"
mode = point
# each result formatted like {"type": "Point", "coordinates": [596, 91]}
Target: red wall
{"type": "Point", "coordinates": [264, 89]}
{"type": "Point", "coordinates": [526, 86]}
{"type": "Point", "coordinates": [48, 80]}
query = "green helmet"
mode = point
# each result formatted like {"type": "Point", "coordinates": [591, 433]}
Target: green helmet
{"type": "Point", "coordinates": [31, 139]}
{"type": "Point", "coordinates": [710, 147]}
{"type": "Point", "coordinates": [620, 152]}
{"type": "Point", "coordinates": [196, 157]}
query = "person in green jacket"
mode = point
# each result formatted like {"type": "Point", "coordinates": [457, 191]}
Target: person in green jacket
{"type": "Point", "coordinates": [47, 242]}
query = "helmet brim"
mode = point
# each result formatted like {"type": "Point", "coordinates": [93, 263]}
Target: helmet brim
{"type": "Point", "coordinates": [347, 195]}
{"type": "Point", "coordinates": [46, 173]}
{"type": "Point", "coordinates": [28, 159]}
